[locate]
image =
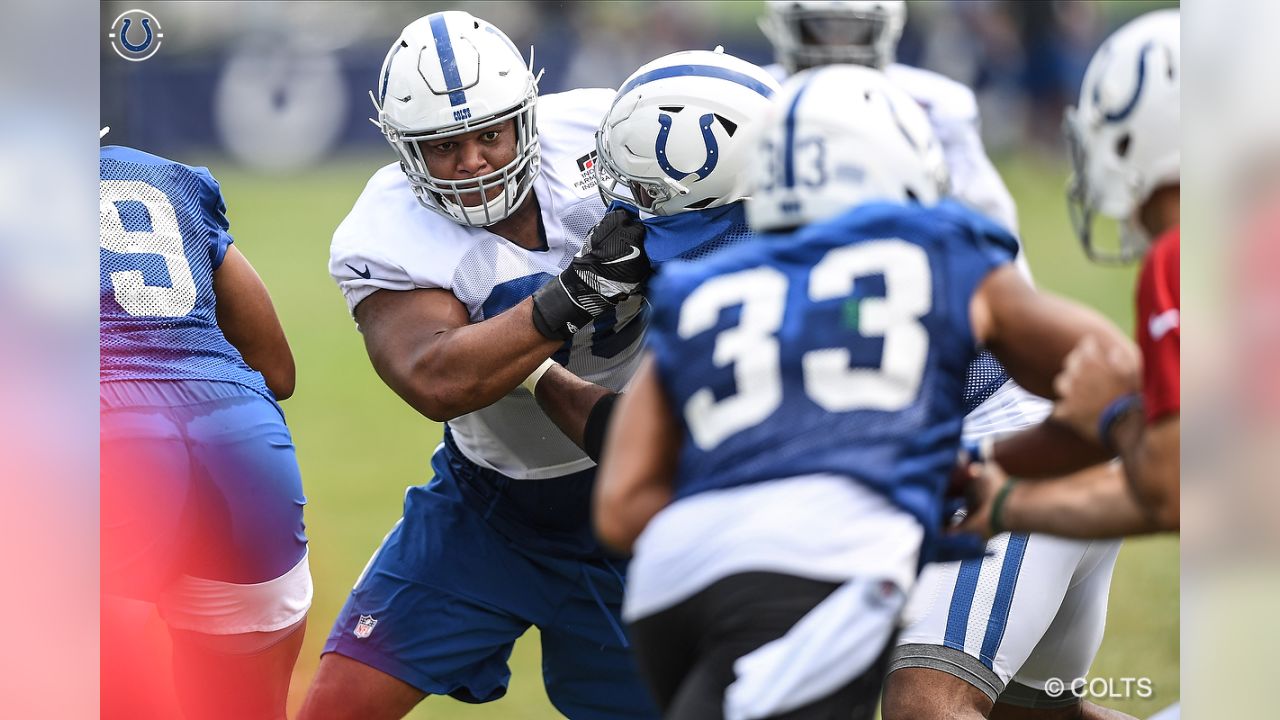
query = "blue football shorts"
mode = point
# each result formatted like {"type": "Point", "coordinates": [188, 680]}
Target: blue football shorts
{"type": "Point", "coordinates": [475, 560]}
{"type": "Point", "coordinates": [201, 505]}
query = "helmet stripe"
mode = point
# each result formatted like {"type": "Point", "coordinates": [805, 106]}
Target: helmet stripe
{"type": "Point", "coordinates": [386, 72]}
{"type": "Point", "coordinates": [789, 141]}
{"type": "Point", "coordinates": [698, 71]}
{"type": "Point", "coordinates": [448, 62]}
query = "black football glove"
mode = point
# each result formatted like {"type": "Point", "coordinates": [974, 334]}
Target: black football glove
{"type": "Point", "coordinates": [611, 265]}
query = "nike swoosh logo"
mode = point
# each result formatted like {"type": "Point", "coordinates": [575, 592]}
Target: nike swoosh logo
{"type": "Point", "coordinates": [362, 273]}
{"type": "Point", "coordinates": [1160, 325]}
{"type": "Point", "coordinates": [635, 253]}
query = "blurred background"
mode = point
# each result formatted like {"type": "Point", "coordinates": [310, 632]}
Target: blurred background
{"type": "Point", "coordinates": [273, 98]}
{"type": "Point", "coordinates": [283, 85]}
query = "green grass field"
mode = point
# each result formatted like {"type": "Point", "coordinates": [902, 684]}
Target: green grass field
{"type": "Point", "coordinates": [360, 446]}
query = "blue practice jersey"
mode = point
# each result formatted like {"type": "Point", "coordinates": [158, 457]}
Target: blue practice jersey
{"type": "Point", "coordinates": [163, 233]}
{"type": "Point", "coordinates": [841, 348]}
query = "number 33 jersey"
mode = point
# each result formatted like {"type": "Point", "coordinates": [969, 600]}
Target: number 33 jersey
{"type": "Point", "coordinates": [838, 349]}
{"type": "Point", "coordinates": [163, 233]}
{"type": "Point", "coordinates": [390, 242]}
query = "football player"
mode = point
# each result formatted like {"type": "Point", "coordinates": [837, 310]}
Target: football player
{"type": "Point", "coordinates": [779, 463]}
{"type": "Point", "coordinates": [811, 33]}
{"type": "Point", "coordinates": [461, 266]}
{"type": "Point", "coordinates": [672, 150]}
{"type": "Point", "coordinates": [1124, 136]}
{"type": "Point", "coordinates": [201, 496]}
{"type": "Point", "coordinates": [1126, 157]}
{"type": "Point", "coordinates": [1037, 605]}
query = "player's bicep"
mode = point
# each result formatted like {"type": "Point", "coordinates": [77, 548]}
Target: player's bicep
{"type": "Point", "coordinates": [249, 322]}
{"type": "Point", "coordinates": [400, 326]}
{"type": "Point", "coordinates": [1032, 332]}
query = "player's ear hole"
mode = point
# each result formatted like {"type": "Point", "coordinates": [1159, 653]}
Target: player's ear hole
{"type": "Point", "coordinates": [1122, 145]}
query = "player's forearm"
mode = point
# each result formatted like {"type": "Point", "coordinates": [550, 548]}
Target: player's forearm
{"type": "Point", "coordinates": [1150, 457]}
{"type": "Point", "coordinates": [568, 400]}
{"type": "Point", "coordinates": [1047, 450]}
{"type": "Point", "coordinates": [638, 467]}
{"type": "Point", "coordinates": [621, 517]}
{"type": "Point", "coordinates": [471, 367]}
{"type": "Point", "coordinates": [1095, 503]}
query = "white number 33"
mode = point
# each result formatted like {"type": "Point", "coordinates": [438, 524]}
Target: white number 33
{"type": "Point", "coordinates": [829, 381]}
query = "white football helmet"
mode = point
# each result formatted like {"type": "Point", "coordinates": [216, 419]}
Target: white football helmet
{"type": "Point", "coordinates": [839, 136]}
{"type": "Point", "coordinates": [681, 131]}
{"type": "Point", "coordinates": [809, 33]}
{"type": "Point", "coordinates": [451, 73]}
{"type": "Point", "coordinates": [1124, 134]}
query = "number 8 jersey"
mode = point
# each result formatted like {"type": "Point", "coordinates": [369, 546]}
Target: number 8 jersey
{"type": "Point", "coordinates": [162, 234]}
{"type": "Point", "coordinates": [838, 349]}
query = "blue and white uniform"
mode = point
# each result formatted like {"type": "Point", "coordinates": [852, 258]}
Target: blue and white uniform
{"type": "Point", "coordinates": [1031, 591]}
{"type": "Point", "coordinates": [819, 378]}
{"type": "Point", "coordinates": [201, 494]}
{"type": "Point", "coordinates": [500, 539]}
{"type": "Point", "coordinates": [1034, 608]}
{"type": "Point", "coordinates": [1057, 586]}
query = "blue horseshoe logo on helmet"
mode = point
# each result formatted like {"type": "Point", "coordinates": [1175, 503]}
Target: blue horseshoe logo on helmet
{"type": "Point", "coordinates": [708, 139]}
{"type": "Point", "coordinates": [124, 35]}
{"type": "Point", "coordinates": [1111, 116]}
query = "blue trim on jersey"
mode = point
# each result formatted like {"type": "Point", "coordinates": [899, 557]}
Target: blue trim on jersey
{"type": "Point", "coordinates": [982, 379]}
{"type": "Point", "coordinates": [448, 61]}
{"type": "Point", "coordinates": [999, 619]}
{"type": "Point", "coordinates": [1124, 112]}
{"type": "Point", "coordinates": [710, 71]}
{"type": "Point", "coordinates": [789, 141]}
{"type": "Point", "coordinates": [962, 603]}
{"type": "Point", "coordinates": [508, 294]}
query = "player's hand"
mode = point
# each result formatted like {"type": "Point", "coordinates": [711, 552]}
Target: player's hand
{"type": "Point", "coordinates": [983, 483]}
{"type": "Point", "coordinates": [1092, 377]}
{"type": "Point", "coordinates": [610, 268]}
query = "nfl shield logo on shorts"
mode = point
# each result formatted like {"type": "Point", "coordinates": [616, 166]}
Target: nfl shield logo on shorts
{"type": "Point", "coordinates": [365, 626]}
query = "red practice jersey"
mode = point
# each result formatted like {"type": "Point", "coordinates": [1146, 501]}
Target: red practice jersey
{"type": "Point", "coordinates": [1159, 326]}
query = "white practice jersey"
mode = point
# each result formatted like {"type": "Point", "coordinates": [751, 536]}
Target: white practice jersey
{"type": "Point", "coordinates": [390, 242]}
{"type": "Point", "coordinates": [953, 112]}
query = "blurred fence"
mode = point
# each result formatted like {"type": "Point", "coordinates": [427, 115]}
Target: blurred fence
{"type": "Point", "coordinates": [283, 85]}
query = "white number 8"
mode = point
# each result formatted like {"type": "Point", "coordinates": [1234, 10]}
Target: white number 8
{"type": "Point", "coordinates": [752, 346]}
{"type": "Point", "coordinates": [164, 239]}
